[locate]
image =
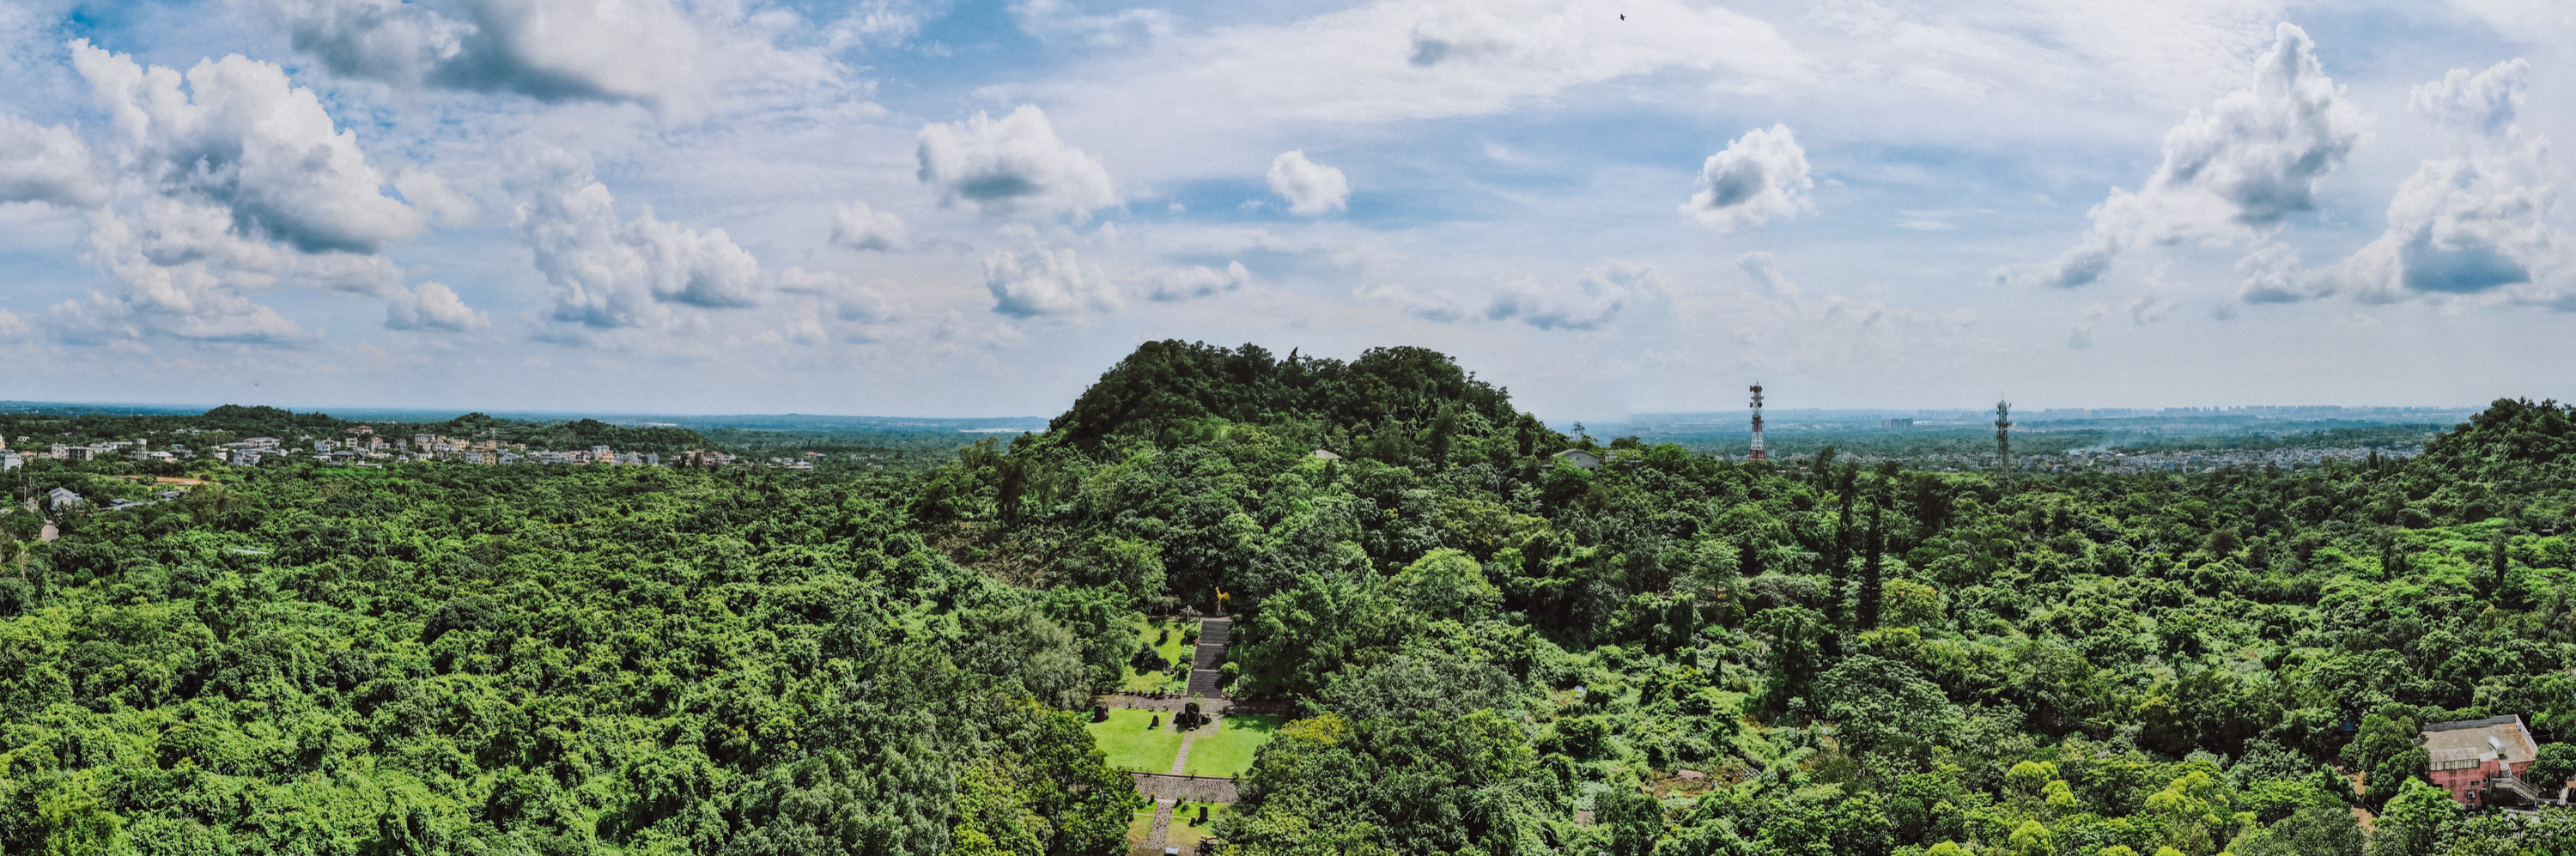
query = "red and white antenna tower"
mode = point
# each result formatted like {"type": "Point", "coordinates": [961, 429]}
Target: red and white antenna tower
{"type": "Point", "coordinates": [1757, 423]}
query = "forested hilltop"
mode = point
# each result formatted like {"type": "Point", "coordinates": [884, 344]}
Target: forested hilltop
{"type": "Point", "coordinates": [1484, 648]}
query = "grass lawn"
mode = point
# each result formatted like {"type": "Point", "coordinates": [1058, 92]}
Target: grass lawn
{"type": "Point", "coordinates": [1143, 826]}
{"type": "Point", "coordinates": [1131, 745]}
{"type": "Point", "coordinates": [1171, 651]}
{"type": "Point", "coordinates": [1228, 751]}
{"type": "Point", "coordinates": [1184, 833]}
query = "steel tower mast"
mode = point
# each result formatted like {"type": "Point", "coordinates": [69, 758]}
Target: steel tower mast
{"type": "Point", "coordinates": [1757, 423]}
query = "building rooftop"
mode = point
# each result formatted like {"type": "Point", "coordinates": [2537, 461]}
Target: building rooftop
{"type": "Point", "coordinates": [2471, 742]}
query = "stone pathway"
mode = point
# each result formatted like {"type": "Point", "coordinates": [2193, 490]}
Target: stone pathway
{"type": "Point", "coordinates": [1182, 760]}
{"type": "Point", "coordinates": [1153, 843]}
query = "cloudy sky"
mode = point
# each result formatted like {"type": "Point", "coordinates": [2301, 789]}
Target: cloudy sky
{"type": "Point", "coordinates": [972, 208]}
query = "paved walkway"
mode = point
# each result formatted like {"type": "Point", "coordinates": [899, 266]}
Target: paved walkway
{"type": "Point", "coordinates": [1153, 843]}
{"type": "Point", "coordinates": [1181, 761]}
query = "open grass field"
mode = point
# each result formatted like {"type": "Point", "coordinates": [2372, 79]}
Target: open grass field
{"type": "Point", "coordinates": [1133, 746]}
{"type": "Point", "coordinates": [1227, 751]}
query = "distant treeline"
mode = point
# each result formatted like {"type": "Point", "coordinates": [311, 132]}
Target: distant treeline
{"type": "Point", "coordinates": [233, 422]}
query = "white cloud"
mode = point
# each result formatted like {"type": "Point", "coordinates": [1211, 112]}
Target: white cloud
{"type": "Point", "coordinates": [1759, 176]}
{"type": "Point", "coordinates": [1036, 282]}
{"type": "Point", "coordinates": [2475, 222]}
{"type": "Point", "coordinates": [1310, 188]}
{"type": "Point", "coordinates": [433, 306]}
{"type": "Point", "coordinates": [430, 194]}
{"type": "Point", "coordinates": [2462, 225]}
{"type": "Point", "coordinates": [1594, 300]}
{"type": "Point", "coordinates": [654, 53]}
{"type": "Point", "coordinates": [40, 163]}
{"type": "Point", "coordinates": [241, 135]}
{"type": "Point", "coordinates": [859, 227]}
{"type": "Point", "coordinates": [610, 271]}
{"type": "Point", "coordinates": [2241, 167]}
{"type": "Point", "coordinates": [180, 278]}
{"type": "Point", "coordinates": [2270, 274]}
{"type": "Point", "coordinates": [1196, 281]}
{"type": "Point", "coordinates": [2484, 103]}
{"type": "Point", "coordinates": [1014, 165]}
{"type": "Point", "coordinates": [837, 307]}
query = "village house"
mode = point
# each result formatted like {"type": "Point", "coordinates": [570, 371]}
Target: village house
{"type": "Point", "coordinates": [2470, 755]}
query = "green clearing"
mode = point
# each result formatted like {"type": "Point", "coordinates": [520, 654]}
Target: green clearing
{"type": "Point", "coordinates": [1171, 651]}
{"type": "Point", "coordinates": [1185, 832]}
{"type": "Point", "coordinates": [1133, 746]}
{"type": "Point", "coordinates": [1228, 750]}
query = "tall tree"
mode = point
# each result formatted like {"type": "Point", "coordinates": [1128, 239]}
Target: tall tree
{"type": "Point", "coordinates": [1838, 561]}
{"type": "Point", "coordinates": [1873, 550]}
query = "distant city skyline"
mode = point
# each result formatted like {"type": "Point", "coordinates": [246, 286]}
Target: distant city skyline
{"type": "Point", "coordinates": [972, 209]}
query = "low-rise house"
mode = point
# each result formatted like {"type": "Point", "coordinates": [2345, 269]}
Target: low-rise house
{"type": "Point", "coordinates": [63, 499]}
{"type": "Point", "coordinates": [1580, 458]}
{"type": "Point", "coordinates": [2471, 756]}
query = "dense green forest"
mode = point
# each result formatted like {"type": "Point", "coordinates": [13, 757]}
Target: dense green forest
{"type": "Point", "coordinates": [1489, 651]}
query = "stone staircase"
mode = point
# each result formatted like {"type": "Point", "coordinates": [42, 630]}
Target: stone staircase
{"type": "Point", "coordinates": [1205, 680]}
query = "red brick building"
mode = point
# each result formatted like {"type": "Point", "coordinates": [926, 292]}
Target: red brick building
{"type": "Point", "coordinates": [2471, 754]}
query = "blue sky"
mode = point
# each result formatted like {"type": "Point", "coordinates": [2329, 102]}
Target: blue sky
{"type": "Point", "coordinates": [972, 208]}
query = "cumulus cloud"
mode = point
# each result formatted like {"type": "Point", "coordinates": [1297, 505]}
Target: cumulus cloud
{"type": "Point", "coordinates": [2484, 103]}
{"type": "Point", "coordinates": [41, 163]}
{"type": "Point", "coordinates": [1041, 282]}
{"type": "Point", "coordinates": [1311, 188]}
{"type": "Point", "coordinates": [180, 277]}
{"type": "Point", "coordinates": [432, 306]}
{"type": "Point", "coordinates": [2475, 222]}
{"type": "Point", "coordinates": [1759, 176]}
{"type": "Point", "coordinates": [2270, 274]}
{"type": "Point", "coordinates": [240, 134]}
{"type": "Point", "coordinates": [859, 227]}
{"type": "Point", "coordinates": [648, 52]}
{"type": "Point", "coordinates": [1014, 165]}
{"type": "Point", "coordinates": [2460, 225]}
{"type": "Point", "coordinates": [2242, 166]}
{"type": "Point", "coordinates": [610, 271]}
{"type": "Point", "coordinates": [1196, 281]}
{"type": "Point", "coordinates": [241, 181]}
{"type": "Point", "coordinates": [1594, 300]}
